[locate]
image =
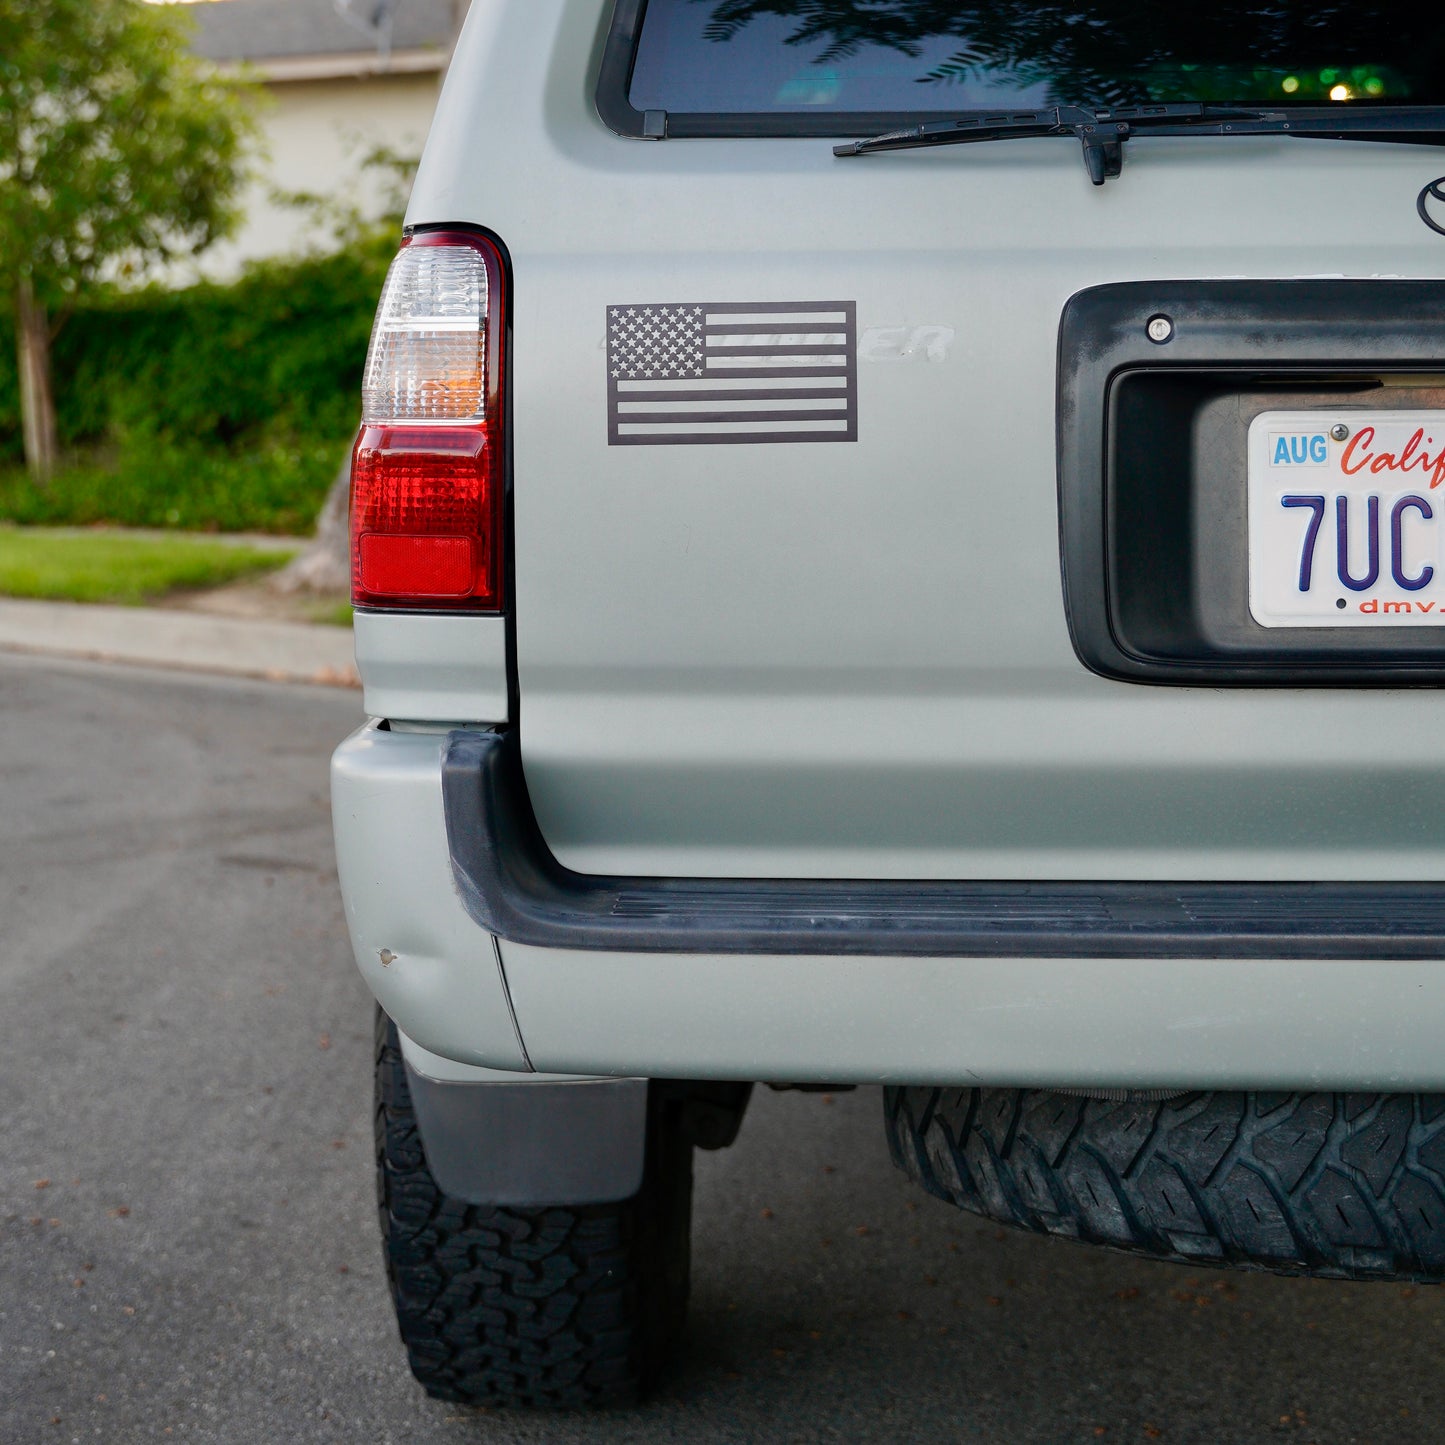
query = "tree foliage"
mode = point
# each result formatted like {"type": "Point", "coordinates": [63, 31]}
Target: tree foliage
{"type": "Point", "coordinates": [1122, 51]}
{"type": "Point", "coordinates": [117, 147]}
{"type": "Point", "coordinates": [224, 405]}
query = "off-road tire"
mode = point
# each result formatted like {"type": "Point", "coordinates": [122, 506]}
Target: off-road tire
{"type": "Point", "coordinates": [1350, 1186]}
{"type": "Point", "coordinates": [548, 1307]}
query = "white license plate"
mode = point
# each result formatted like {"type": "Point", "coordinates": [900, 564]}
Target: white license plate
{"type": "Point", "coordinates": [1347, 518]}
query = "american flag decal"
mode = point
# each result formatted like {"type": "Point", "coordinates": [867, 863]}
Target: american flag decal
{"type": "Point", "coordinates": [701, 373]}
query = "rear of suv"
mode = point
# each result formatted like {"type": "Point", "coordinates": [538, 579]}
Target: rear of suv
{"type": "Point", "coordinates": [901, 544]}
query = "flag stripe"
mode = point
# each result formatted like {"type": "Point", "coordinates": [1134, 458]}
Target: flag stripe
{"type": "Point", "coordinates": [775, 308]}
{"type": "Point", "coordinates": [660, 418]}
{"type": "Point", "coordinates": [714, 439]}
{"type": "Point", "coordinates": [832, 339]}
{"type": "Point", "coordinates": [761, 428]}
{"type": "Point", "coordinates": [626, 395]}
{"type": "Point", "coordinates": [782, 382]}
{"type": "Point", "coordinates": [780, 352]}
{"type": "Point", "coordinates": [773, 327]}
{"type": "Point", "coordinates": [781, 321]}
{"type": "Point", "coordinates": [630, 407]}
{"type": "Point", "coordinates": [754, 373]}
{"type": "Point", "coordinates": [767, 365]}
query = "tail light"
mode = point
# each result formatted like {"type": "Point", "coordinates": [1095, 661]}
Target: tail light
{"type": "Point", "coordinates": [426, 474]}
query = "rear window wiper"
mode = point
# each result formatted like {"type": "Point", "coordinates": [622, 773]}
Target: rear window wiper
{"type": "Point", "coordinates": [1102, 132]}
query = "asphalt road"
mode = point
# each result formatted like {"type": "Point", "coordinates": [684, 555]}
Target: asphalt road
{"type": "Point", "coordinates": [188, 1247]}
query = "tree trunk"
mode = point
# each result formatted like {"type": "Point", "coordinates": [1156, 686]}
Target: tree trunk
{"type": "Point", "coordinates": [325, 564]}
{"type": "Point", "coordinates": [37, 403]}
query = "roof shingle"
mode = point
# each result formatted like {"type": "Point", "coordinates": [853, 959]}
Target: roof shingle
{"type": "Point", "coordinates": [235, 30]}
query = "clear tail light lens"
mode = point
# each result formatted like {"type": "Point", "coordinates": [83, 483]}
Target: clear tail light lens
{"type": "Point", "coordinates": [426, 474]}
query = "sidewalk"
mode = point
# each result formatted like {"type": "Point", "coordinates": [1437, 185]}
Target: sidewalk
{"type": "Point", "coordinates": [198, 641]}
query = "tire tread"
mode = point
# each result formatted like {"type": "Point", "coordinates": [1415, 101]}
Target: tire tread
{"type": "Point", "coordinates": [546, 1307]}
{"type": "Point", "coordinates": [1346, 1186]}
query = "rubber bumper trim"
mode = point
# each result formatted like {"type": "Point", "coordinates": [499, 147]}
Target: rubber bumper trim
{"type": "Point", "coordinates": [513, 886]}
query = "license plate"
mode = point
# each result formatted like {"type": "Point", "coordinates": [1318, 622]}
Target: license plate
{"type": "Point", "coordinates": [1347, 518]}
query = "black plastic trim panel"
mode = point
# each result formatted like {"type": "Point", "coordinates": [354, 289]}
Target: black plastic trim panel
{"type": "Point", "coordinates": [514, 887]}
{"type": "Point", "coordinates": [1307, 341]}
{"type": "Point", "coordinates": [528, 1143]}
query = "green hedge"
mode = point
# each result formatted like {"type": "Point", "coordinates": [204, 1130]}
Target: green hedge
{"type": "Point", "coordinates": [271, 486]}
{"type": "Point", "coordinates": [216, 406]}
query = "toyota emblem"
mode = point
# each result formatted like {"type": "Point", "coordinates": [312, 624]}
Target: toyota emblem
{"type": "Point", "coordinates": [1431, 205]}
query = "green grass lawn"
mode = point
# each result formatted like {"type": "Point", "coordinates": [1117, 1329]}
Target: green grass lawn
{"type": "Point", "coordinates": [334, 614]}
{"type": "Point", "coordinates": [109, 567]}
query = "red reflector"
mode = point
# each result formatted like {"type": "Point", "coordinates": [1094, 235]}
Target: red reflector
{"type": "Point", "coordinates": [425, 518]}
{"type": "Point", "coordinates": [416, 566]}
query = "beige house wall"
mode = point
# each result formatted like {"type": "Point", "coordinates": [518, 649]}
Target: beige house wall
{"type": "Point", "coordinates": [316, 133]}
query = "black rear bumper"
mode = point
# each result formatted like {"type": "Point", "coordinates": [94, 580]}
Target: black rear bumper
{"type": "Point", "coordinates": [514, 887]}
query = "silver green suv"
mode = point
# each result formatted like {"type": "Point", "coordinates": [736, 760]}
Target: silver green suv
{"type": "Point", "coordinates": [902, 543]}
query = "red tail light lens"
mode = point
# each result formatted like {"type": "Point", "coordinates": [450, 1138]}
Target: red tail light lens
{"type": "Point", "coordinates": [426, 474]}
{"type": "Point", "coordinates": [425, 524]}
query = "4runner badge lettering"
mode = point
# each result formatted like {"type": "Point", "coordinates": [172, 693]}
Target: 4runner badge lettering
{"type": "Point", "coordinates": [699, 373]}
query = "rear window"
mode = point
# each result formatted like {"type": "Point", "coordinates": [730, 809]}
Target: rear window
{"type": "Point", "coordinates": [812, 66]}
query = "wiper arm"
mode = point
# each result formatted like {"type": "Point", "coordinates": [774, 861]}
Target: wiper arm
{"type": "Point", "coordinates": [1102, 132]}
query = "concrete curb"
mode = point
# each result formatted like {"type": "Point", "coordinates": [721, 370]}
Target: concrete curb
{"type": "Point", "coordinates": [196, 641]}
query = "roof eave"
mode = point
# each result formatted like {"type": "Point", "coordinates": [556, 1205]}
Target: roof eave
{"type": "Point", "coordinates": [362, 64]}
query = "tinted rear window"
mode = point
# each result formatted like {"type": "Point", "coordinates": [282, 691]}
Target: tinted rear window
{"type": "Point", "coordinates": [789, 57]}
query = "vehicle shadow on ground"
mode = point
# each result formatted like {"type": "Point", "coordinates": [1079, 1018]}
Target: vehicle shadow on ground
{"type": "Point", "coordinates": [876, 1312]}
{"type": "Point", "coordinates": [834, 1301]}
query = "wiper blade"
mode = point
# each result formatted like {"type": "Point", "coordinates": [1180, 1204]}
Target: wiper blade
{"type": "Point", "coordinates": [1102, 132]}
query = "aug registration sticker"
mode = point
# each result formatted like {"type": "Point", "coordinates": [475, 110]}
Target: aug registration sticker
{"type": "Point", "coordinates": [1347, 518]}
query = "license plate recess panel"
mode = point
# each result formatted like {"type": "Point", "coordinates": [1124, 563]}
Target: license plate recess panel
{"type": "Point", "coordinates": [1181, 561]}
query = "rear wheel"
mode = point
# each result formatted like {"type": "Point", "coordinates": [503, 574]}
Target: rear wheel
{"type": "Point", "coordinates": [549, 1306]}
{"type": "Point", "coordinates": [1343, 1185]}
